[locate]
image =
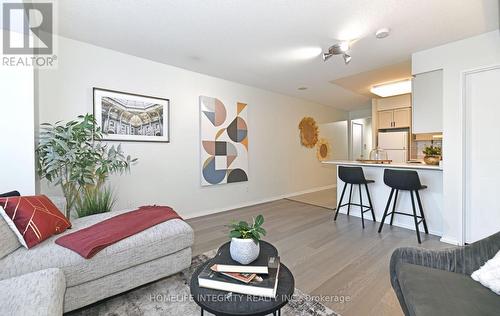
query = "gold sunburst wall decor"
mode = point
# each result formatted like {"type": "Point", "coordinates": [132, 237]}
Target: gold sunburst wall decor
{"type": "Point", "coordinates": [323, 149]}
{"type": "Point", "coordinates": [308, 132]}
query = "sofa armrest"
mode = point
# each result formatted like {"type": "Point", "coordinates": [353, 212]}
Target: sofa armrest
{"type": "Point", "coordinates": [447, 259]}
{"type": "Point", "coordinates": [463, 260]}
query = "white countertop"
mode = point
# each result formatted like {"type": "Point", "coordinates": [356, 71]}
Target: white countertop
{"type": "Point", "coordinates": [385, 165]}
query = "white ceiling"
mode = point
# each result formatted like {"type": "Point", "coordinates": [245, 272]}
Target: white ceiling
{"type": "Point", "coordinates": [253, 41]}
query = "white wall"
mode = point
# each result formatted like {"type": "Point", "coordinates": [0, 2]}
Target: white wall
{"type": "Point", "coordinates": [170, 173]}
{"type": "Point", "coordinates": [456, 58]}
{"type": "Point", "coordinates": [17, 151]}
{"type": "Point", "coordinates": [337, 135]}
{"type": "Point", "coordinates": [361, 113]}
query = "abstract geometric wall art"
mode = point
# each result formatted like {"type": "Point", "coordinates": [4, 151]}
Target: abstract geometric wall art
{"type": "Point", "coordinates": [223, 141]}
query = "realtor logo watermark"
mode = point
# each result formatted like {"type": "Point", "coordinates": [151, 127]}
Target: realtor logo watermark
{"type": "Point", "coordinates": [28, 30]}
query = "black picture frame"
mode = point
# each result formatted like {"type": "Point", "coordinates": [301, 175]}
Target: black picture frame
{"type": "Point", "coordinates": [161, 124]}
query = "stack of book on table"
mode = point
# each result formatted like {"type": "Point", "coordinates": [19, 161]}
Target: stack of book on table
{"type": "Point", "coordinates": [259, 278]}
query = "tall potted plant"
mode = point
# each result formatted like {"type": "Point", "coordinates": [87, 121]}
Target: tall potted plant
{"type": "Point", "coordinates": [70, 155]}
{"type": "Point", "coordinates": [244, 247]}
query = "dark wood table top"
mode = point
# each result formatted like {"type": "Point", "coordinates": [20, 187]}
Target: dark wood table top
{"type": "Point", "coordinates": [223, 303]}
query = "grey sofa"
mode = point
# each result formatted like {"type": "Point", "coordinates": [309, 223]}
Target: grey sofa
{"type": "Point", "coordinates": [157, 252]}
{"type": "Point", "coordinates": [438, 282]}
{"type": "Point", "coordinates": [36, 293]}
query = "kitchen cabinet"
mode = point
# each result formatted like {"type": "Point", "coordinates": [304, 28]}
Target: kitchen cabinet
{"type": "Point", "coordinates": [427, 102]}
{"type": "Point", "coordinates": [402, 117]}
{"type": "Point", "coordinates": [385, 119]}
{"type": "Point", "coordinates": [397, 118]}
{"type": "Point", "coordinates": [395, 102]}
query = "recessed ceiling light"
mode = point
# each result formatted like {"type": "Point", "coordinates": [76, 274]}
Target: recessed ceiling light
{"type": "Point", "coordinates": [382, 33]}
{"type": "Point", "coordinates": [302, 88]}
{"type": "Point", "coordinates": [392, 88]}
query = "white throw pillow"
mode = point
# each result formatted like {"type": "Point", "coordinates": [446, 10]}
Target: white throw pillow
{"type": "Point", "coordinates": [13, 227]}
{"type": "Point", "coordinates": [489, 274]}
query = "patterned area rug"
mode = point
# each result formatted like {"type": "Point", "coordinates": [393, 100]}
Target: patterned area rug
{"type": "Point", "coordinates": [171, 296]}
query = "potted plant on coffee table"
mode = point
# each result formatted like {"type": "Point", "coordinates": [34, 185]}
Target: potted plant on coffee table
{"type": "Point", "coordinates": [244, 247]}
{"type": "Point", "coordinates": [432, 155]}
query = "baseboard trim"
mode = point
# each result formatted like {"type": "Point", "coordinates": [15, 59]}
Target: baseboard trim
{"type": "Point", "coordinates": [450, 240]}
{"type": "Point", "coordinates": [260, 201]}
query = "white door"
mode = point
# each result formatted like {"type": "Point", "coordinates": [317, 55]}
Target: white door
{"type": "Point", "coordinates": [482, 153]}
{"type": "Point", "coordinates": [357, 140]}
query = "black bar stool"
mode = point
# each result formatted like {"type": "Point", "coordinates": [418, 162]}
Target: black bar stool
{"type": "Point", "coordinates": [404, 180]}
{"type": "Point", "coordinates": [354, 175]}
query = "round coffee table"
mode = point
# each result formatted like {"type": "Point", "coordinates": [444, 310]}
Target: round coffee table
{"type": "Point", "coordinates": [222, 303]}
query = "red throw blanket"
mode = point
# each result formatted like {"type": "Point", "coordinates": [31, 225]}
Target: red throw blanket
{"type": "Point", "coordinates": [89, 241]}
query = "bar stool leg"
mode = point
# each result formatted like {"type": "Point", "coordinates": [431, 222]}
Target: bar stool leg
{"type": "Point", "coordinates": [361, 206]}
{"type": "Point", "coordinates": [415, 217]}
{"type": "Point", "coordinates": [386, 209]}
{"type": "Point", "coordinates": [421, 212]}
{"type": "Point", "coordinates": [340, 202]}
{"type": "Point", "coordinates": [349, 205]}
{"type": "Point", "coordinates": [370, 202]}
{"type": "Point", "coordinates": [394, 206]}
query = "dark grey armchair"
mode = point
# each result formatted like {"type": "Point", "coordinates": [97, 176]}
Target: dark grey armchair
{"type": "Point", "coordinates": [438, 282]}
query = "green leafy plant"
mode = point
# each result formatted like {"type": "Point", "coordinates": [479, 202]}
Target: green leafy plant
{"type": "Point", "coordinates": [245, 231]}
{"type": "Point", "coordinates": [432, 151]}
{"type": "Point", "coordinates": [70, 155]}
{"type": "Point", "coordinates": [95, 201]}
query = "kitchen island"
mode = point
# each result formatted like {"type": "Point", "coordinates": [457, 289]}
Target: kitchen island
{"type": "Point", "coordinates": [432, 197]}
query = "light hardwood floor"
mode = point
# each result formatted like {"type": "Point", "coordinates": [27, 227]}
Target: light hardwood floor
{"type": "Point", "coordinates": [324, 198]}
{"type": "Point", "coordinates": [327, 258]}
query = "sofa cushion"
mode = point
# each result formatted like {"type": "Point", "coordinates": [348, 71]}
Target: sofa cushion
{"type": "Point", "coordinates": [11, 193]}
{"type": "Point", "coordinates": [155, 242]}
{"type": "Point", "coordinates": [8, 238]}
{"type": "Point", "coordinates": [489, 274]}
{"type": "Point", "coordinates": [37, 293]}
{"type": "Point", "coordinates": [430, 292]}
{"type": "Point", "coordinates": [35, 217]}
{"type": "Point", "coordinates": [9, 241]}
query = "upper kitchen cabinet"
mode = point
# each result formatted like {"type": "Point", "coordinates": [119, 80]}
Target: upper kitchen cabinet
{"type": "Point", "coordinates": [428, 102]}
{"type": "Point", "coordinates": [385, 119]}
{"type": "Point", "coordinates": [393, 112]}
{"type": "Point", "coordinates": [402, 117]}
{"type": "Point", "coordinates": [397, 118]}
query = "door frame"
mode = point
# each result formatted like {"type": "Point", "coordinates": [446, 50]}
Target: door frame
{"type": "Point", "coordinates": [466, 203]}
{"type": "Point", "coordinates": [351, 153]}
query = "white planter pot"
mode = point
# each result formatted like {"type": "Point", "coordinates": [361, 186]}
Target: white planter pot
{"type": "Point", "coordinates": [244, 251]}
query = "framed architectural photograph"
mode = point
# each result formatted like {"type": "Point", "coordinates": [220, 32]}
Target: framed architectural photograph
{"type": "Point", "coordinates": [132, 117]}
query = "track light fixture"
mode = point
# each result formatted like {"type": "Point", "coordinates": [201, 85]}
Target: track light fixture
{"type": "Point", "coordinates": [338, 49]}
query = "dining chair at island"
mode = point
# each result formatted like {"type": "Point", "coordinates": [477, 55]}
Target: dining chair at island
{"type": "Point", "coordinates": [404, 180]}
{"type": "Point", "coordinates": [352, 176]}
